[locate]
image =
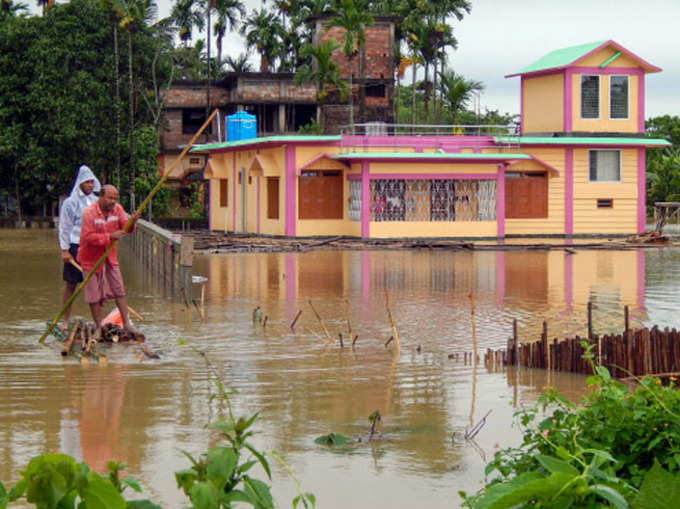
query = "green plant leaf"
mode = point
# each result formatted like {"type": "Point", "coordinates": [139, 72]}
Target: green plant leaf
{"type": "Point", "coordinates": [659, 490]}
{"type": "Point", "coordinates": [142, 504]}
{"type": "Point", "coordinates": [3, 496]}
{"type": "Point", "coordinates": [221, 464]}
{"type": "Point", "coordinates": [49, 478]}
{"type": "Point", "coordinates": [204, 495]}
{"type": "Point", "coordinates": [304, 498]}
{"type": "Point", "coordinates": [331, 439]}
{"type": "Point", "coordinates": [523, 488]}
{"type": "Point", "coordinates": [186, 479]}
{"type": "Point", "coordinates": [603, 373]}
{"type": "Point", "coordinates": [259, 492]}
{"type": "Point", "coordinates": [236, 496]}
{"type": "Point", "coordinates": [244, 467]}
{"type": "Point", "coordinates": [100, 494]}
{"type": "Point", "coordinates": [556, 466]}
{"type": "Point", "coordinates": [17, 491]}
{"type": "Point", "coordinates": [132, 483]}
{"type": "Point", "coordinates": [260, 457]}
{"type": "Point", "coordinates": [610, 495]}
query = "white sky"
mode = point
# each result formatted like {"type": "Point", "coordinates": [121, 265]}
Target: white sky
{"type": "Point", "coordinates": [502, 36]}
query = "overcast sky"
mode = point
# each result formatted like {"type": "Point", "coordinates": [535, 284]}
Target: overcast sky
{"type": "Point", "coordinates": [500, 37]}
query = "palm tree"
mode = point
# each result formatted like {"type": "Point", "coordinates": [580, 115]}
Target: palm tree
{"type": "Point", "coordinates": [352, 18]}
{"type": "Point", "coordinates": [186, 17]}
{"type": "Point", "coordinates": [137, 14]}
{"type": "Point", "coordinates": [264, 32]}
{"type": "Point", "coordinates": [239, 64]}
{"type": "Point", "coordinates": [45, 4]}
{"type": "Point", "coordinates": [456, 92]}
{"type": "Point", "coordinates": [228, 13]}
{"type": "Point", "coordinates": [324, 72]}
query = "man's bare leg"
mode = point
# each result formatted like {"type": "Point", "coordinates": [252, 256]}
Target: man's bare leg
{"type": "Point", "coordinates": [121, 302]}
{"type": "Point", "coordinates": [96, 310]}
{"type": "Point", "coordinates": [68, 291]}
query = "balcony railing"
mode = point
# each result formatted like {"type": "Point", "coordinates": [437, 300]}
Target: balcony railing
{"type": "Point", "coordinates": [400, 137]}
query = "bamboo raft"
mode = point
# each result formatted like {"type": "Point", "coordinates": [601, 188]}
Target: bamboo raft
{"type": "Point", "coordinates": [634, 352]}
{"type": "Point", "coordinates": [80, 342]}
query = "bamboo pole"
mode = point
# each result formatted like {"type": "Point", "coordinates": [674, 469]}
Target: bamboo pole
{"type": "Point", "coordinates": [127, 226]}
{"type": "Point", "coordinates": [395, 336]}
{"type": "Point", "coordinates": [323, 327]}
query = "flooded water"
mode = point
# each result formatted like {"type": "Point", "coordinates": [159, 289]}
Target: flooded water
{"type": "Point", "coordinates": [146, 413]}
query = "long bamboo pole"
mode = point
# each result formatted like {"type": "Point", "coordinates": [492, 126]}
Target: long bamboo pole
{"type": "Point", "coordinates": [127, 226]}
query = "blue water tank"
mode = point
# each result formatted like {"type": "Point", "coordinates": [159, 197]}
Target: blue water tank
{"type": "Point", "coordinates": [241, 126]}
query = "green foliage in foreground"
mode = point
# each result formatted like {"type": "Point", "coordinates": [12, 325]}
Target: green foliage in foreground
{"type": "Point", "coordinates": [614, 450]}
{"type": "Point", "coordinates": [215, 480]}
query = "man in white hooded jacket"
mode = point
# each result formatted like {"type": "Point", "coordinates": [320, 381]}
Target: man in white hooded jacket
{"type": "Point", "coordinates": [70, 216]}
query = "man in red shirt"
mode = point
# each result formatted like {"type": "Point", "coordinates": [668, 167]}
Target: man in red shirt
{"type": "Point", "coordinates": [102, 223]}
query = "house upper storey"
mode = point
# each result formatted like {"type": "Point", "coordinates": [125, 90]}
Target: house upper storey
{"type": "Point", "coordinates": [590, 88]}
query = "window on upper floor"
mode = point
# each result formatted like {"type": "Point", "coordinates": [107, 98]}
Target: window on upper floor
{"type": "Point", "coordinates": [193, 119]}
{"type": "Point", "coordinates": [604, 166]}
{"type": "Point", "coordinates": [590, 96]}
{"type": "Point", "coordinates": [618, 97]}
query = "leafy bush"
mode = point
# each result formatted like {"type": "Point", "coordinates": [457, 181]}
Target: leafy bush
{"type": "Point", "coordinates": [598, 452]}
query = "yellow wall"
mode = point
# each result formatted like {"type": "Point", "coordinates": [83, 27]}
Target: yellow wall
{"type": "Point", "coordinates": [554, 223]}
{"type": "Point", "coordinates": [387, 229]}
{"type": "Point", "coordinates": [543, 103]}
{"type": "Point", "coordinates": [622, 218]}
{"type": "Point", "coordinates": [604, 123]}
{"type": "Point", "coordinates": [596, 59]}
{"type": "Point", "coordinates": [220, 217]}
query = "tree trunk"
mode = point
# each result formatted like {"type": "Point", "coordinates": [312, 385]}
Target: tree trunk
{"type": "Point", "coordinates": [351, 100]}
{"type": "Point", "coordinates": [219, 52]}
{"type": "Point", "coordinates": [207, 107]}
{"type": "Point", "coordinates": [435, 115]}
{"type": "Point", "coordinates": [413, 95]}
{"type": "Point", "coordinates": [131, 110]}
{"type": "Point", "coordinates": [426, 93]}
{"type": "Point", "coordinates": [362, 85]}
{"type": "Point", "coordinates": [116, 78]}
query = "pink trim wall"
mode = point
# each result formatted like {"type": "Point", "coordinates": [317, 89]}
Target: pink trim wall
{"type": "Point", "coordinates": [521, 105]}
{"type": "Point", "coordinates": [567, 101]}
{"type": "Point", "coordinates": [568, 191]}
{"type": "Point", "coordinates": [641, 190]}
{"type": "Point", "coordinates": [365, 200]}
{"type": "Point", "coordinates": [233, 201]}
{"type": "Point", "coordinates": [291, 190]}
{"type": "Point", "coordinates": [641, 102]}
{"type": "Point", "coordinates": [422, 176]}
{"type": "Point", "coordinates": [500, 201]}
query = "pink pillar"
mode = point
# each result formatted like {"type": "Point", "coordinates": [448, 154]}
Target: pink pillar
{"type": "Point", "coordinates": [641, 190]}
{"type": "Point", "coordinates": [500, 201]}
{"type": "Point", "coordinates": [365, 201]}
{"type": "Point", "coordinates": [568, 191]}
{"type": "Point", "coordinates": [291, 190]}
{"type": "Point", "coordinates": [233, 202]}
{"type": "Point", "coordinates": [641, 101]}
{"type": "Point", "coordinates": [567, 101]}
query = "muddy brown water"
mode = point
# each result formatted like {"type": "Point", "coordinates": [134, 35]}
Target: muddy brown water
{"type": "Point", "coordinates": [145, 414]}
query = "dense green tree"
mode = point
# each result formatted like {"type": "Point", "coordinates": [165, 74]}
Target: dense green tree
{"type": "Point", "coordinates": [456, 94]}
{"type": "Point", "coordinates": [263, 31]}
{"type": "Point", "coordinates": [323, 71]}
{"type": "Point", "coordinates": [239, 63]}
{"type": "Point", "coordinates": [187, 17]}
{"type": "Point", "coordinates": [228, 14]}
{"type": "Point", "coordinates": [8, 8]}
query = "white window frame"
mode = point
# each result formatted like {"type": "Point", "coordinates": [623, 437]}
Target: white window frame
{"type": "Point", "coordinates": [610, 96]}
{"type": "Point", "coordinates": [580, 95]}
{"type": "Point", "coordinates": [620, 166]}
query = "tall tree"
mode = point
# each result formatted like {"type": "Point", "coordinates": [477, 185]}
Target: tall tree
{"type": "Point", "coordinates": [263, 31]}
{"type": "Point", "coordinates": [9, 9]}
{"type": "Point", "coordinates": [186, 17]}
{"type": "Point", "coordinates": [323, 72]}
{"type": "Point", "coordinates": [352, 18]}
{"type": "Point", "coordinates": [228, 14]}
{"type": "Point", "coordinates": [457, 92]}
{"type": "Point", "coordinates": [137, 15]}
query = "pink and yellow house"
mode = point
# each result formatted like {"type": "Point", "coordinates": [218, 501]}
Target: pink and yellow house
{"type": "Point", "coordinates": [577, 167]}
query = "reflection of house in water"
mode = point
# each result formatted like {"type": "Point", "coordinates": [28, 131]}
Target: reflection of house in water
{"type": "Point", "coordinates": [531, 286]}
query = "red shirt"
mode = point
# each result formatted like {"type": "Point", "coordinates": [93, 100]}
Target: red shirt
{"type": "Point", "coordinates": [95, 234]}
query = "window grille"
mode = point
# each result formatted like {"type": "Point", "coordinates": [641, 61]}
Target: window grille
{"type": "Point", "coordinates": [590, 96]}
{"type": "Point", "coordinates": [618, 97]}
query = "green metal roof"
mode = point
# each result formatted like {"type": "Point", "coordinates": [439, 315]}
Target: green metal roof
{"type": "Point", "coordinates": [569, 140]}
{"type": "Point", "coordinates": [559, 58]}
{"type": "Point", "coordinates": [428, 155]}
{"type": "Point", "coordinates": [266, 139]}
